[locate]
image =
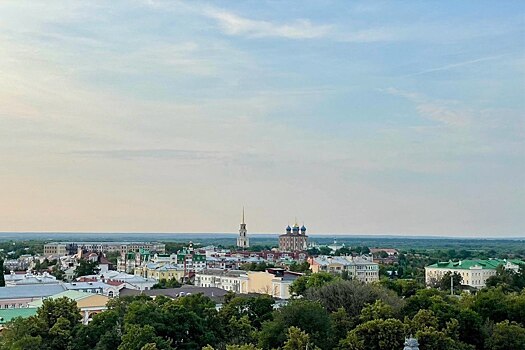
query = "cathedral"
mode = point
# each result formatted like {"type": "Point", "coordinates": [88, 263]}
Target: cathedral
{"type": "Point", "coordinates": [294, 239]}
{"type": "Point", "coordinates": [243, 241]}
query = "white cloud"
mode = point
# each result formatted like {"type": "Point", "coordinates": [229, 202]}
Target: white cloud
{"type": "Point", "coordinates": [445, 112]}
{"type": "Point", "coordinates": [233, 24]}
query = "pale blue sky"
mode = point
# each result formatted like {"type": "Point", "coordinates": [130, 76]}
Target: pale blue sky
{"type": "Point", "coordinates": [371, 117]}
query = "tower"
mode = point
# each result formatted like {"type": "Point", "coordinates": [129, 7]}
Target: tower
{"type": "Point", "coordinates": [243, 241]}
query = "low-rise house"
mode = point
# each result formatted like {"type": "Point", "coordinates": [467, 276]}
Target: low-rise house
{"type": "Point", "coordinates": [474, 273]}
{"type": "Point", "coordinates": [362, 268]}
{"type": "Point", "coordinates": [19, 296]}
{"type": "Point", "coordinates": [7, 315]}
{"type": "Point", "coordinates": [29, 278]}
{"type": "Point", "coordinates": [89, 304]}
{"type": "Point", "coordinates": [129, 281]}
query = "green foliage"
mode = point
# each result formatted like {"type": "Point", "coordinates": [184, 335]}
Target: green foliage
{"type": "Point", "coordinates": [261, 266]}
{"type": "Point", "coordinates": [298, 340]}
{"type": "Point", "coordinates": [376, 335]}
{"type": "Point", "coordinates": [86, 267]}
{"type": "Point", "coordinates": [315, 280]}
{"type": "Point", "coordinates": [2, 279]}
{"type": "Point", "coordinates": [303, 267]}
{"type": "Point", "coordinates": [308, 315]}
{"type": "Point", "coordinates": [507, 335]}
{"type": "Point", "coordinates": [164, 284]}
{"type": "Point", "coordinates": [353, 296]}
{"type": "Point", "coordinates": [445, 281]}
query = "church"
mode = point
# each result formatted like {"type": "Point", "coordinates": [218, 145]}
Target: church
{"type": "Point", "coordinates": [294, 239]}
{"type": "Point", "coordinates": [243, 241]}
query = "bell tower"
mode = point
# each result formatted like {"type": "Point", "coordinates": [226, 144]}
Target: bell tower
{"type": "Point", "coordinates": [243, 241]}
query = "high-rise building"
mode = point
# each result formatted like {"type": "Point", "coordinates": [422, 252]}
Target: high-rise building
{"type": "Point", "coordinates": [294, 239]}
{"type": "Point", "coordinates": [243, 241]}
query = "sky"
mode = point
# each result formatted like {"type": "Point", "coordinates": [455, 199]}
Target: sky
{"type": "Point", "coordinates": [358, 117]}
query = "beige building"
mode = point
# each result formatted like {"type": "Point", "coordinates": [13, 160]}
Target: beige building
{"type": "Point", "coordinates": [275, 281]}
{"type": "Point", "coordinates": [474, 273]}
{"type": "Point", "coordinates": [362, 268]}
{"type": "Point", "coordinates": [55, 249]}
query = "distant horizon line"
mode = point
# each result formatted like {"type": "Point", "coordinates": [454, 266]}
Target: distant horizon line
{"type": "Point", "coordinates": [357, 235]}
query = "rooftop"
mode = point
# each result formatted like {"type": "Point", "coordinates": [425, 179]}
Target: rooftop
{"type": "Point", "coordinates": [30, 291]}
{"type": "Point", "coordinates": [490, 264]}
{"type": "Point", "coordinates": [7, 315]}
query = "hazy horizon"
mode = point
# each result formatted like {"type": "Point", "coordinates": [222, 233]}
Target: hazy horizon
{"type": "Point", "coordinates": [365, 116]}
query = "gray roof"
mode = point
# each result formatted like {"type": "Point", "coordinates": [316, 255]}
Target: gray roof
{"type": "Point", "coordinates": [216, 294]}
{"type": "Point", "coordinates": [30, 291]}
{"type": "Point", "coordinates": [221, 272]}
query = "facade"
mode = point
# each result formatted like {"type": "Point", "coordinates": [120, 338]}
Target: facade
{"type": "Point", "coordinates": [243, 241]}
{"type": "Point", "coordinates": [20, 296]}
{"type": "Point", "coordinates": [89, 304]}
{"type": "Point", "coordinates": [275, 281]}
{"type": "Point", "coordinates": [231, 280]}
{"type": "Point", "coordinates": [71, 248]}
{"type": "Point", "coordinates": [473, 272]}
{"type": "Point", "coordinates": [362, 268]}
{"type": "Point", "coordinates": [295, 239]}
{"type": "Point", "coordinates": [55, 249]}
{"type": "Point", "coordinates": [16, 279]}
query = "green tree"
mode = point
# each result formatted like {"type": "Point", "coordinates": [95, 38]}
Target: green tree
{"type": "Point", "coordinates": [507, 335]}
{"type": "Point", "coordinates": [353, 296]}
{"type": "Point", "coordinates": [135, 337]}
{"type": "Point", "coordinates": [298, 340]}
{"type": "Point", "coordinates": [2, 279]}
{"type": "Point", "coordinates": [164, 284]}
{"type": "Point", "coordinates": [376, 335]}
{"type": "Point", "coordinates": [444, 282]}
{"type": "Point", "coordinates": [303, 267]}
{"type": "Point", "coordinates": [376, 311]}
{"type": "Point", "coordinates": [86, 267]}
{"type": "Point", "coordinates": [308, 315]}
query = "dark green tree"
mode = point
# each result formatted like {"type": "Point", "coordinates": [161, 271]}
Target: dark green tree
{"type": "Point", "coordinates": [86, 267]}
{"type": "Point", "coordinates": [2, 279]}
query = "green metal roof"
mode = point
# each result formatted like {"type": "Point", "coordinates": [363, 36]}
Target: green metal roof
{"type": "Point", "coordinates": [7, 315]}
{"type": "Point", "coordinates": [490, 264]}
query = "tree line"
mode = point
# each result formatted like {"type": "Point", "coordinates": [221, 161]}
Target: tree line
{"type": "Point", "coordinates": [327, 312]}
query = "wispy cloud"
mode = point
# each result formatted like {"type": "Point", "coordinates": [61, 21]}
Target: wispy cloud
{"type": "Point", "coordinates": [233, 24]}
{"type": "Point", "coordinates": [442, 111]}
{"type": "Point", "coordinates": [455, 65]}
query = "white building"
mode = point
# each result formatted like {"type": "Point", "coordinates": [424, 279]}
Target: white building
{"type": "Point", "coordinates": [234, 280]}
{"type": "Point", "coordinates": [362, 268]}
{"type": "Point", "coordinates": [474, 273]}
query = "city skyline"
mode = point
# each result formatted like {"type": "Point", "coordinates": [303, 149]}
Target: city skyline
{"type": "Point", "coordinates": [368, 118]}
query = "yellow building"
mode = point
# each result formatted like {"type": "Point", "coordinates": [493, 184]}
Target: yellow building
{"type": "Point", "coordinates": [89, 304]}
{"type": "Point", "coordinates": [160, 271]}
{"type": "Point", "coordinates": [275, 282]}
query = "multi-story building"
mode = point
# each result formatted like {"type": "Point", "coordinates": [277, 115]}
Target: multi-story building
{"type": "Point", "coordinates": [55, 249]}
{"type": "Point", "coordinates": [243, 241]}
{"type": "Point", "coordinates": [71, 248]}
{"type": "Point", "coordinates": [294, 239]}
{"type": "Point", "coordinates": [362, 268]}
{"type": "Point", "coordinates": [234, 280]}
{"type": "Point", "coordinates": [474, 273]}
{"type": "Point", "coordinates": [274, 281]}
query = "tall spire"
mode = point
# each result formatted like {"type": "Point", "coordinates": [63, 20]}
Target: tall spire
{"type": "Point", "coordinates": [243, 214]}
